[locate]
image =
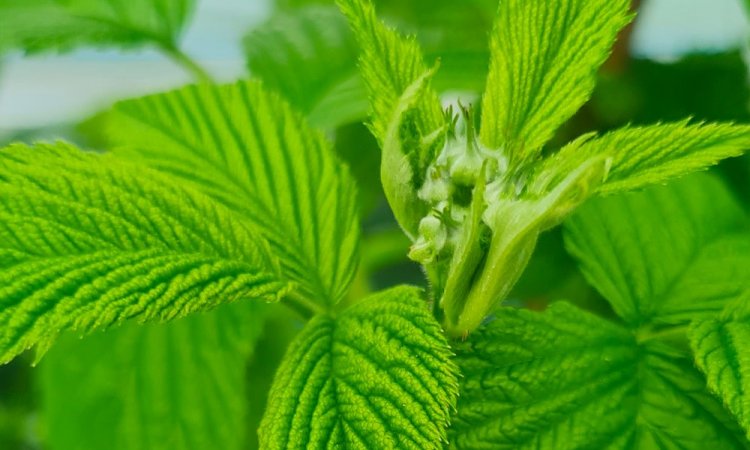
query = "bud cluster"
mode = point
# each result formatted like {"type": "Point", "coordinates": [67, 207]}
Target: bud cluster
{"type": "Point", "coordinates": [449, 186]}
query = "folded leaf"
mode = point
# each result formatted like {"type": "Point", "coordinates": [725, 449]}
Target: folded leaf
{"type": "Point", "coordinates": [38, 25]}
{"type": "Point", "coordinates": [177, 386]}
{"type": "Point", "coordinates": [666, 255]}
{"type": "Point", "coordinates": [249, 150]}
{"type": "Point", "coordinates": [653, 154]}
{"type": "Point", "coordinates": [87, 241]}
{"type": "Point", "coordinates": [407, 118]}
{"type": "Point", "coordinates": [379, 375]}
{"type": "Point", "coordinates": [390, 63]}
{"type": "Point", "coordinates": [543, 63]}
{"type": "Point", "coordinates": [565, 379]}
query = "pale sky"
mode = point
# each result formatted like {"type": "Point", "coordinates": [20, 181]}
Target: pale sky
{"type": "Point", "coordinates": [49, 90]}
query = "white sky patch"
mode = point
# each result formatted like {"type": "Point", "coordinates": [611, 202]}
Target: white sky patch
{"type": "Point", "coordinates": [51, 89]}
{"type": "Point", "coordinates": [667, 29]}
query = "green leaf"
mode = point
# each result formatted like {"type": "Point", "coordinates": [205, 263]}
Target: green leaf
{"type": "Point", "coordinates": [566, 379]}
{"type": "Point", "coordinates": [665, 255]}
{"type": "Point", "coordinates": [407, 118]}
{"type": "Point", "coordinates": [87, 241]}
{"type": "Point", "coordinates": [390, 64]}
{"type": "Point", "coordinates": [721, 346]}
{"type": "Point", "coordinates": [721, 349]}
{"type": "Point", "coordinates": [178, 386]}
{"type": "Point", "coordinates": [543, 63]}
{"type": "Point", "coordinates": [303, 54]}
{"type": "Point", "coordinates": [653, 154]}
{"type": "Point", "coordinates": [38, 25]}
{"type": "Point", "coordinates": [377, 376]}
{"type": "Point", "coordinates": [250, 151]}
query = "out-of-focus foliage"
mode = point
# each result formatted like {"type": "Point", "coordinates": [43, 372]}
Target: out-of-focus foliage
{"type": "Point", "coordinates": [61, 25]}
{"type": "Point", "coordinates": [177, 386]}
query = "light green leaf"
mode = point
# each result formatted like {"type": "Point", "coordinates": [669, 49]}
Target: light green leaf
{"type": "Point", "coordinates": [543, 63]}
{"type": "Point", "coordinates": [390, 64]}
{"type": "Point", "coordinates": [38, 25]}
{"type": "Point", "coordinates": [666, 255]}
{"type": "Point", "coordinates": [722, 351]}
{"type": "Point", "coordinates": [566, 379]}
{"type": "Point", "coordinates": [177, 386]}
{"type": "Point", "coordinates": [304, 54]}
{"type": "Point", "coordinates": [87, 241]}
{"type": "Point", "coordinates": [516, 226]}
{"type": "Point", "coordinates": [250, 151]}
{"type": "Point", "coordinates": [377, 376]}
{"type": "Point", "coordinates": [654, 154]}
{"type": "Point", "coordinates": [407, 118]}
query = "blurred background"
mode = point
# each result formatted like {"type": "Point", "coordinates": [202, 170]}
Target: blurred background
{"type": "Point", "coordinates": [681, 58]}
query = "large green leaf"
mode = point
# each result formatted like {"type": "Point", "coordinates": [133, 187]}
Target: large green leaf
{"type": "Point", "coordinates": [646, 155]}
{"type": "Point", "coordinates": [664, 255]}
{"type": "Point", "coordinates": [87, 241]}
{"type": "Point", "coordinates": [177, 386]}
{"type": "Point", "coordinates": [565, 379]}
{"type": "Point", "coordinates": [250, 151]}
{"type": "Point", "coordinates": [543, 63]}
{"type": "Point", "coordinates": [37, 25]}
{"type": "Point", "coordinates": [378, 375]}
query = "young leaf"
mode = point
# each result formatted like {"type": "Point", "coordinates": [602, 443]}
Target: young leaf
{"type": "Point", "coordinates": [38, 25]}
{"type": "Point", "coordinates": [250, 151]}
{"type": "Point", "coordinates": [565, 379]}
{"type": "Point", "coordinates": [653, 154]}
{"type": "Point", "coordinates": [390, 64]}
{"type": "Point", "coordinates": [543, 63]}
{"type": "Point", "coordinates": [665, 255]}
{"type": "Point", "coordinates": [407, 117]}
{"type": "Point", "coordinates": [304, 54]}
{"type": "Point", "coordinates": [377, 376]}
{"type": "Point", "coordinates": [87, 241]}
{"type": "Point", "coordinates": [178, 385]}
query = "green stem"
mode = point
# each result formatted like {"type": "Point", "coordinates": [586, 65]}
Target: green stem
{"type": "Point", "coordinates": [186, 62]}
{"type": "Point", "coordinates": [302, 305]}
{"type": "Point", "coordinates": [649, 334]}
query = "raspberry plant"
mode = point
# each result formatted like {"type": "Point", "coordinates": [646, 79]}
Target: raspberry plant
{"type": "Point", "coordinates": [224, 194]}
